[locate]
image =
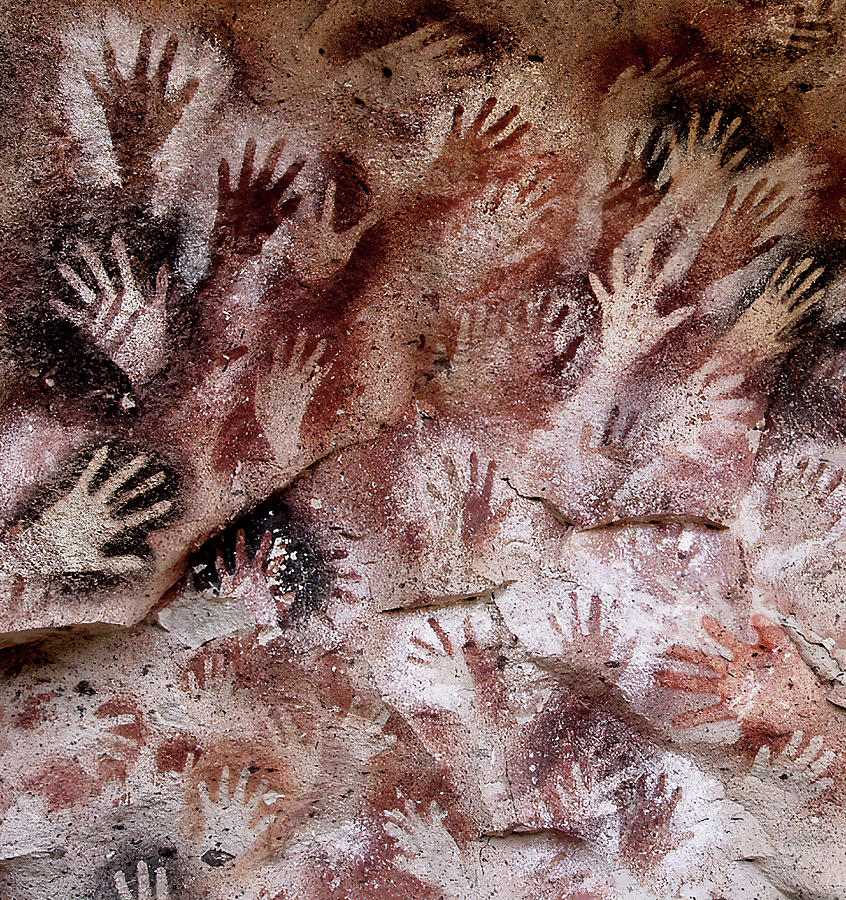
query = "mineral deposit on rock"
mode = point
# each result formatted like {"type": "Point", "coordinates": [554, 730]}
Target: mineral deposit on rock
{"type": "Point", "coordinates": [422, 449]}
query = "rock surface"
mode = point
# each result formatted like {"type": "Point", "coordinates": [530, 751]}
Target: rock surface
{"type": "Point", "coordinates": [422, 447]}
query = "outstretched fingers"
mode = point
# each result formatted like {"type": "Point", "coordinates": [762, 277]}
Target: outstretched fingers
{"type": "Point", "coordinates": [315, 358]}
{"type": "Point", "coordinates": [644, 263]}
{"type": "Point", "coordinates": [328, 210]}
{"type": "Point", "coordinates": [690, 684]}
{"type": "Point", "coordinates": [122, 887]}
{"type": "Point", "coordinates": [142, 876]}
{"type": "Point", "coordinates": [239, 795]}
{"type": "Point", "coordinates": [595, 615]}
{"type": "Point", "coordinates": [121, 256]}
{"type": "Point", "coordinates": [223, 795]}
{"type": "Point", "coordinates": [676, 317]}
{"type": "Point", "coordinates": [768, 218]}
{"type": "Point", "coordinates": [186, 95]}
{"type": "Point", "coordinates": [758, 189]}
{"type": "Point", "coordinates": [267, 171]}
{"type": "Point", "coordinates": [165, 66]}
{"type": "Point", "coordinates": [144, 516]}
{"type": "Point", "coordinates": [98, 270]}
{"type": "Point", "coordinates": [761, 763]}
{"type": "Point", "coordinates": [457, 127]}
{"type": "Point", "coordinates": [162, 890]}
{"type": "Point", "coordinates": [483, 115]}
{"type": "Point", "coordinates": [442, 636]}
{"type": "Point", "coordinates": [729, 133]}
{"type": "Point", "coordinates": [800, 308]}
{"type": "Point", "coordinates": [205, 797]}
{"type": "Point", "coordinates": [629, 157]}
{"type": "Point", "coordinates": [288, 176]}
{"type": "Point", "coordinates": [810, 753]}
{"type": "Point", "coordinates": [223, 186]}
{"type": "Point", "coordinates": [149, 484]}
{"type": "Point", "coordinates": [820, 766]}
{"type": "Point", "coordinates": [794, 744]}
{"type": "Point", "coordinates": [501, 123]}
{"type": "Point", "coordinates": [110, 487]}
{"type": "Point", "coordinates": [142, 59]}
{"type": "Point", "coordinates": [513, 138]}
{"type": "Point", "coordinates": [487, 489]}
{"type": "Point", "coordinates": [263, 552]}
{"type": "Point", "coordinates": [128, 564]}
{"type": "Point", "coordinates": [770, 635]}
{"type": "Point", "coordinates": [728, 639]}
{"type": "Point", "coordinates": [599, 290]}
{"type": "Point", "coordinates": [792, 275]}
{"type": "Point", "coordinates": [698, 657]}
{"type": "Point", "coordinates": [112, 71]}
{"type": "Point", "coordinates": [92, 470]}
{"type": "Point", "coordinates": [801, 289]}
{"type": "Point", "coordinates": [162, 286]}
{"type": "Point", "coordinates": [692, 718]}
{"type": "Point", "coordinates": [240, 550]}
{"type": "Point", "coordinates": [247, 165]}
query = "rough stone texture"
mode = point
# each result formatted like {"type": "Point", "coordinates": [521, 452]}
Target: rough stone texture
{"type": "Point", "coordinates": [421, 450]}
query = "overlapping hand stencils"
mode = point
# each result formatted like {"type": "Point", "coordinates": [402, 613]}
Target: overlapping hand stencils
{"type": "Point", "coordinates": [457, 438]}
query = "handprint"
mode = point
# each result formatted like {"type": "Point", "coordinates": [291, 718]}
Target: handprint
{"type": "Point", "coordinates": [768, 325]}
{"type": "Point", "coordinates": [812, 26]}
{"type": "Point", "coordinates": [776, 787]}
{"type": "Point", "coordinates": [124, 740]}
{"type": "Point", "coordinates": [578, 798]}
{"type": "Point", "coordinates": [635, 91]}
{"type": "Point", "coordinates": [144, 883]}
{"type": "Point", "coordinates": [127, 325]}
{"type": "Point", "coordinates": [623, 418]}
{"type": "Point", "coordinates": [318, 251]}
{"type": "Point", "coordinates": [470, 512]}
{"type": "Point", "coordinates": [443, 656]}
{"type": "Point", "coordinates": [819, 477]}
{"type": "Point", "coordinates": [710, 410]}
{"type": "Point", "coordinates": [630, 196]}
{"type": "Point", "coordinates": [631, 324]}
{"type": "Point", "coordinates": [249, 581]}
{"type": "Point", "coordinates": [736, 238]}
{"type": "Point", "coordinates": [478, 334]}
{"type": "Point", "coordinates": [74, 533]}
{"type": "Point", "coordinates": [492, 345]}
{"type": "Point", "coordinates": [365, 734]}
{"type": "Point", "coordinates": [824, 485]}
{"type": "Point", "coordinates": [138, 113]}
{"type": "Point", "coordinates": [470, 684]}
{"type": "Point", "coordinates": [702, 156]}
{"type": "Point", "coordinates": [520, 221]}
{"type": "Point", "coordinates": [588, 643]}
{"type": "Point", "coordinates": [480, 515]}
{"type": "Point", "coordinates": [249, 213]}
{"type": "Point", "coordinates": [445, 665]}
{"type": "Point", "coordinates": [233, 819]}
{"type": "Point", "coordinates": [420, 840]}
{"type": "Point", "coordinates": [469, 156]}
{"type": "Point", "coordinates": [432, 57]}
{"type": "Point", "coordinates": [283, 396]}
{"type": "Point", "coordinates": [796, 769]}
{"type": "Point", "coordinates": [747, 685]}
{"type": "Point", "coordinates": [210, 671]}
{"type": "Point", "coordinates": [645, 826]}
